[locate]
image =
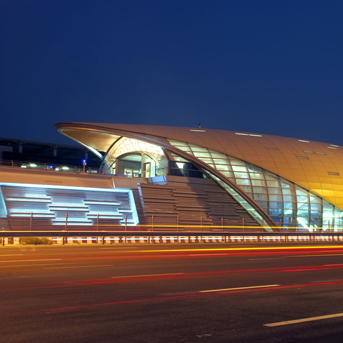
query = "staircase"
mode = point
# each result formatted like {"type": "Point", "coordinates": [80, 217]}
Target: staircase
{"type": "Point", "coordinates": [191, 201]}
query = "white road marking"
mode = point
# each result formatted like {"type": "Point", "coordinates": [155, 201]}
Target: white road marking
{"type": "Point", "coordinates": [304, 320]}
{"type": "Point", "coordinates": [104, 265]}
{"type": "Point", "coordinates": [119, 277]}
{"type": "Point", "coordinates": [47, 259]}
{"type": "Point", "coordinates": [237, 288]}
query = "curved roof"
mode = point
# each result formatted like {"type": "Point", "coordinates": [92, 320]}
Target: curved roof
{"type": "Point", "coordinates": [313, 165]}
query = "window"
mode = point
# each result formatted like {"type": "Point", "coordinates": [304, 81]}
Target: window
{"type": "Point", "coordinates": [273, 183]}
{"type": "Point", "coordinates": [245, 182]}
{"type": "Point", "coordinates": [275, 197]}
{"type": "Point", "coordinates": [239, 175]}
{"type": "Point", "coordinates": [257, 176]}
{"type": "Point", "coordinates": [258, 182]}
{"type": "Point", "coordinates": [239, 169]}
{"type": "Point", "coordinates": [287, 198]}
{"type": "Point", "coordinates": [274, 190]}
{"type": "Point", "coordinates": [220, 161]}
{"type": "Point", "coordinates": [222, 167]}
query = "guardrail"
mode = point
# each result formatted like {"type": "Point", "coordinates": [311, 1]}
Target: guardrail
{"type": "Point", "coordinates": [13, 237]}
{"type": "Point", "coordinates": [47, 166]}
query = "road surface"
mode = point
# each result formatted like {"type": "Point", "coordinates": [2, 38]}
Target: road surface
{"type": "Point", "coordinates": [171, 293]}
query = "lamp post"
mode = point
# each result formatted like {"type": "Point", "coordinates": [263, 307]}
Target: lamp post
{"type": "Point", "coordinates": [84, 163]}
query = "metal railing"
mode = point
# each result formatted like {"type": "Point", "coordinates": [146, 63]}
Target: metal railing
{"type": "Point", "coordinates": [13, 237]}
{"type": "Point", "coordinates": [31, 221]}
{"type": "Point", "coordinates": [47, 166]}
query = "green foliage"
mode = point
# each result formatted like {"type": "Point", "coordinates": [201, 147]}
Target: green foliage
{"type": "Point", "coordinates": [35, 240]}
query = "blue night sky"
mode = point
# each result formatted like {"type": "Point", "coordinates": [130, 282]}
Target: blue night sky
{"type": "Point", "coordinates": [270, 67]}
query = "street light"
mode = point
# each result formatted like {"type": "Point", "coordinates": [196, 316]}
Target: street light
{"type": "Point", "coordinates": [84, 163]}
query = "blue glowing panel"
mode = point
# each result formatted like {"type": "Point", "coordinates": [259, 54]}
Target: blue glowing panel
{"type": "Point", "coordinates": [3, 211]}
{"type": "Point", "coordinates": [78, 206]}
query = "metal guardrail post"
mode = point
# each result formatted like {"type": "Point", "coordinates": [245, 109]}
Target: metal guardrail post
{"type": "Point", "coordinates": [125, 222]}
{"type": "Point", "coordinates": [97, 222]}
{"type": "Point", "coordinates": [66, 222]}
{"type": "Point", "coordinates": [31, 221]}
{"type": "Point", "coordinates": [152, 222]}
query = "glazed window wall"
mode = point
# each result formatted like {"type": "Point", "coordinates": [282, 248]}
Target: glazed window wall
{"type": "Point", "coordinates": [185, 169]}
{"type": "Point", "coordinates": [288, 204]}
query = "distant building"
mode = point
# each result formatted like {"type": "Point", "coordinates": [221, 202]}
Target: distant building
{"type": "Point", "coordinates": [32, 154]}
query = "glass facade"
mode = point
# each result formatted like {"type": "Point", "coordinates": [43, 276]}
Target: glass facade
{"type": "Point", "coordinates": [288, 204]}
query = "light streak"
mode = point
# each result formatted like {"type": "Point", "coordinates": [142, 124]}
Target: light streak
{"type": "Point", "coordinates": [308, 247]}
{"type": "Point", "coordinates": [304, 320]}
{"type": "Point", "coordinates": [197, 295]}
{"type": "Point", "coordinates": [238, 288]}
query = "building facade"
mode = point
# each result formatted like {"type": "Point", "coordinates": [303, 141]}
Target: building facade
{"type": "Point", "coordinates": [154, 175]}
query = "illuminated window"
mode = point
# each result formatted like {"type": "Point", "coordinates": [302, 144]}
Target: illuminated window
{"type": "Point", "coordinates": [126, 145]}
{"type": "Point", "coordinates": [268, 189]}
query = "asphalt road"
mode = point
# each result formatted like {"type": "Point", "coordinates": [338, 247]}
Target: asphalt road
{"type": "Point", "coordinates": [171, 293]}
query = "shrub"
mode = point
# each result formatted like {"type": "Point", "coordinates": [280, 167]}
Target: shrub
{"type": "Point", "coordinates": [35, 240]}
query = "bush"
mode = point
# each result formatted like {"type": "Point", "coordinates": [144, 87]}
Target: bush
{"type": "Point", "coordinates": [35, 240]}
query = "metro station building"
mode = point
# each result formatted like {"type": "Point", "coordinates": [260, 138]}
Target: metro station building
{"type": "Point", "coordinates": [182, 176]}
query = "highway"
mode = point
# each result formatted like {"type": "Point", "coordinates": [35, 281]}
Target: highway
{"type": "Point", "coordinates": [171, 293]}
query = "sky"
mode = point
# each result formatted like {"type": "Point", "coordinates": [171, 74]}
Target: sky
{"type": "Point", "coordinates": [272, 67]}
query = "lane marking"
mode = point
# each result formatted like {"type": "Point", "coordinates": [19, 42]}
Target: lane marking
{"type": "Point", "coordinates": [12, 255]}
{"type": "Point", "coordinates": [120, 277]}
{"type": "Point", "coordinates": [237, 288]}
{"type": "Point", "coordinates": [104, 265]}
{"type": "Point", "coordinates": [46, 259]}
{"type": "Point", "coordinates": [304, 320]}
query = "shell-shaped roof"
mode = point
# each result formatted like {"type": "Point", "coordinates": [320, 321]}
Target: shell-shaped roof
{"type": "Point", "coordinates": [313, 165]}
